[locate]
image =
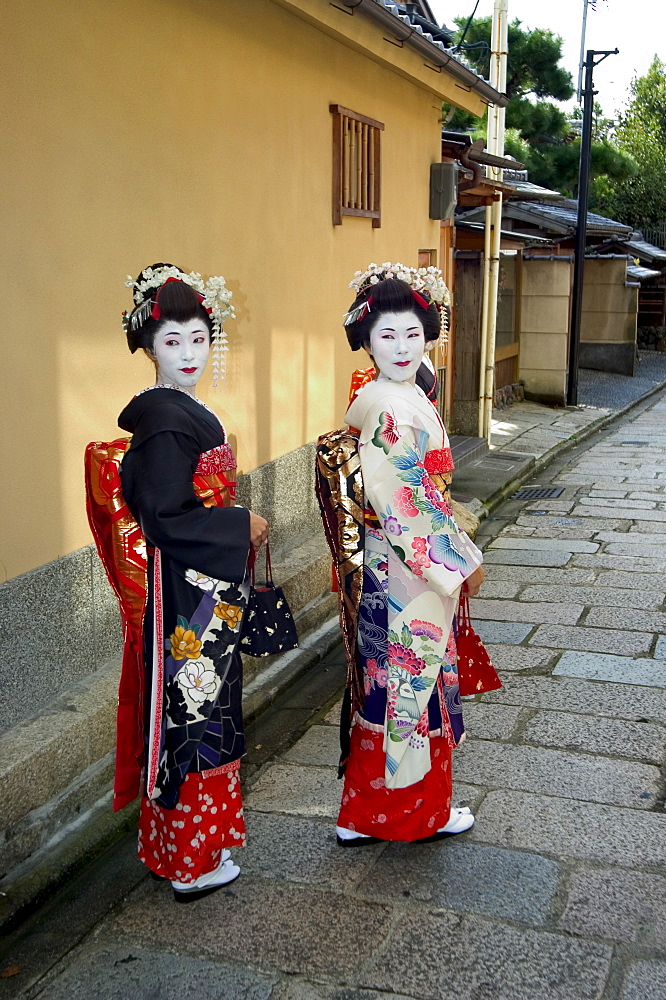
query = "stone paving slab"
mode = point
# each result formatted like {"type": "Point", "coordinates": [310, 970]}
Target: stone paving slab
{"type": "Point", "coordinates": [545, 544]}
{"type": "Point", "coordinates": [630, 619]}
{"type": "Point", "coordinates": [660, 648]}
{"type": "Point", "coordinates": [301, 850]}
{"type": "Point", "coordinates": [618, 598]}
{"type": "Point", "coordinates": [532, 557]}
{"type": "Point", "coordinates": [585, 533]}
{"type": "Point", "coordinates": [319, 745]}
{"type": "Point", "coordinates": [508, 657]}
{"type": "Point", "coordinates": [332, 717]}
{"type": "Point", "coordinates": [109, 971]}
{"type": "Point", "coordinates": [567, 828]}
{"type": "Point", "coordinates": [606, 494]}
{"type": "Point", "coordinates": [267, 923]}
{"type": "Point", "coordinates": [481, 960]}
{"type": "Point", "coordinates": [620, 504]}
{"type": "Point", "coordinates": [649, 583]}
{"type": "Point", "coordinates": [300, 990]}
{"type": "Point", "coordinates": [516, 611]}
{"type": "Point", "coordinates": [562, 506]}
{"type": "Point", "coordinates": [617, 904]}
{"type": "Point", "coordinates": [572, 776]}
{"type": "Point", "coordinates": [466, 877]}
{"type": "Point", "coordinates": [567, 694]}
{"type": "Point", "coordinates": [503, 632]}
{"type": "Point", "coordinates": [653, 528]}
{"type": "Point", "coordinates": [607, 667]}
{"type": "Point", "coordinates": [632, 538]}
{"type": "Point", "coordinates": [490, 722]}
{"type": "Point", "coordinates": [605, 737]}
{"type": "Point", "coordinates": [630, 563]}
{"type": "Point", "coordinates": [593, 640]}
{"type": "Point", "coordinates": [645, 981]}
{"type": "Point", "coordinates": [535, 574]}
{"type": "Point", "coordinates": [656, 497]}
{"type": "Point", "coordinates": [296, 789]}
{"type": "Point", "coordinates": [500, 589]}
{"type": "Point", "coordinates": [545, 522]}
{"type": "Point", "coordinates": [638, 550]}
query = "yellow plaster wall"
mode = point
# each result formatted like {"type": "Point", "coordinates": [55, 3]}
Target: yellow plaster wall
{"type": "Point", "coordinates": [195, 132]}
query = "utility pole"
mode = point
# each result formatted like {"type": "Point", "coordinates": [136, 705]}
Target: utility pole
{"type": "Point", "coordinates": [493, 221]}
{"type": "Point", "coordinates": [581, 222]}
{"type": "Point", "coordinates": [579, 88]}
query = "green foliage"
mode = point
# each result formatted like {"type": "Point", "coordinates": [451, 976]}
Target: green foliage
{"type": "Point", "coordinates": [639, 198]}
{"type": "Point", "coordinates": [538, 133]}
{"type": "Point", "coordinates": [532, 63]}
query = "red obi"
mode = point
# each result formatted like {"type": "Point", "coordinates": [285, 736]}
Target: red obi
{"type": "Point", "coordinates": [438, 461]}
{"type": "Point", "coordinates": [215, 477]}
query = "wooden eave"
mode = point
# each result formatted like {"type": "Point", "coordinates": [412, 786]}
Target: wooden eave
{"type": "Point", "coordinates": [483, 193]}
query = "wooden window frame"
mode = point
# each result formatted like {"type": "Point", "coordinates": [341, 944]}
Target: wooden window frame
{"type": "Point", "coordinates": [366, 191]}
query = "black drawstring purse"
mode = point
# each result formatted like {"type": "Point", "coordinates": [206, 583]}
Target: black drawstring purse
{"type": "Point", "coordinates": [268, 625]}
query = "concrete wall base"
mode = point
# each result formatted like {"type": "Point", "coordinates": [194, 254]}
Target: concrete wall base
{"type": "Point", "coordinates": [620, 359]}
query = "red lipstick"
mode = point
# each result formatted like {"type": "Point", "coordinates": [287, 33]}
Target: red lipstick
{"type": "Point", "coordinates": [402, 364]}
{"type": "Point", "coordinates": [188, 371]}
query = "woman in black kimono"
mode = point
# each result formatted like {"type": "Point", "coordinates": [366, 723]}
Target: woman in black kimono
{"type": "Point", "coordinates": [178, 480]}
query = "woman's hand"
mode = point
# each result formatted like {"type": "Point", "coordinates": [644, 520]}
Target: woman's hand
{"type": "Point", "coordinates": [472, 584]}
{"type": "Point", "coordinates": [258, 530]}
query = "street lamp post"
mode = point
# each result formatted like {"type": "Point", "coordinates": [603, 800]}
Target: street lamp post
{"type": "Point", "coordinates": [581, 222]}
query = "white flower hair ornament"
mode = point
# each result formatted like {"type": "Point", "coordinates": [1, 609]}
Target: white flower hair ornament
{"type": "Point", "coordinates": [213, 294]}
{"type": "Point", "coordinates": [427, 284]}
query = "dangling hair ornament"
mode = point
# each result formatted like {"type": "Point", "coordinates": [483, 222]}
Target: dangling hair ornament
{"type": "Point", "coordinates": [427, 284]}
{"type": "Point", "coordinates": [213, 294]}
{"type": "Point", "coordinates": [359, 312]}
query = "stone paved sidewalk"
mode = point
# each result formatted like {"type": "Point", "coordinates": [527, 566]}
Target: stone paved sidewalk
{"type": "Point", "coordinates": [559, 891]}
{"type": "Point", "coordinates": [528, 436]}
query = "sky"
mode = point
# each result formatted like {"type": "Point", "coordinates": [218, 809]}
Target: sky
{"type": "Point", "coordinates": [637, 29]}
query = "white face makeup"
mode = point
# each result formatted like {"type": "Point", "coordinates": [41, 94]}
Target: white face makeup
{"type": "Point", "coordinates": [181, 352]}
{"type": "Point", "coordinates": [397, 345]}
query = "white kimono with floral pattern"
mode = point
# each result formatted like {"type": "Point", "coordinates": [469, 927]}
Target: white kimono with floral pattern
{"type": "Point", "coordinates": [428, 558]}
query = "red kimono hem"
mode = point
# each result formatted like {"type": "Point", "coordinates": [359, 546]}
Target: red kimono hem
{"type": "Point", "coordinates": [183, 843]}
{"type": "Point", "coordinates": [407, 814]}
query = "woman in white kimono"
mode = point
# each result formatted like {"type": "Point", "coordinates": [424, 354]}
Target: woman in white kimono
{"type": "Point", "coordinates": [398, 618]}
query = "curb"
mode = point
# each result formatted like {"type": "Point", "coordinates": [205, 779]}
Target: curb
{"type": "Point", "coordinates": [483, 508]}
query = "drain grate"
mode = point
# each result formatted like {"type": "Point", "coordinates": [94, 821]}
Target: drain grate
{"type": "Point", "coordinates": [538, 493]}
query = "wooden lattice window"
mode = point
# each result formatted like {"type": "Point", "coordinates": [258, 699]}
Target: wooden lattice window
{"type": "Point", "coordinates": [356, 165]}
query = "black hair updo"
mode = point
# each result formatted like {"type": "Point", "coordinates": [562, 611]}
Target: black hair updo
{"type": "Point", "coordinates": [178, 301]}
{"type": "Point", "coordinates": [390, 295]}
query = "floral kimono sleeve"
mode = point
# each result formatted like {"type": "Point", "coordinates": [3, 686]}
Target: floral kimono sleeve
{"type": "Point", "coordinates": [416, 519]}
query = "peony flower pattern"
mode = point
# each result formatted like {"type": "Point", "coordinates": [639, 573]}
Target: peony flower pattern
{"type": "Point", "coordinates": [402, 656]}
{"type": "Point", "coordinates": [198, 682]}
{"type": "Point", "coordinates": [229, 613]}
{"type": "Point", "coordinates": [433, 632]}
{"type": "Point", "coordinates": [403, 498]}
{"type": "Point", "coordinates": [184, 643]}
{"type": "Point", "coordinates": [199, 580]}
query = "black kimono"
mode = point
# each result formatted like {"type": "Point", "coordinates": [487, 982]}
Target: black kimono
{"type": "Point", "coordinates": [175, 474]}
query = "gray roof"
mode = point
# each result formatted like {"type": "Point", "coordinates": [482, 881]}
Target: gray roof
{"type": "Point", "coordinates": [413, 35]}
{"type": "Point", "coordinates": [641, 248]}
{"type": "Point", "coordinates": [646, 252]}
{"type": "Point", "coordinates": [641, 273]}
{"type": "Point", "coordinates": [557, 217]}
